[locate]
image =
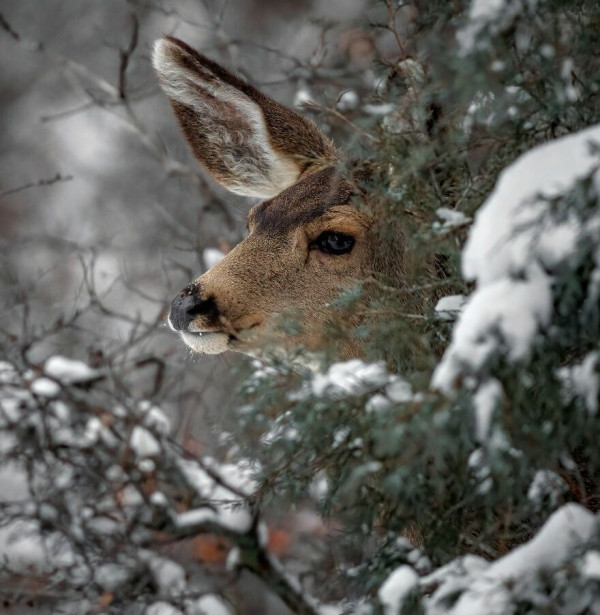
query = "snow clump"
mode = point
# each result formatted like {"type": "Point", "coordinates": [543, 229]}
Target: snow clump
{"type": "Point", "coordinates": [451, 218]}
{"type": "Point", "coordinates": [493, 588]}
{"type": "Point", "coordinates": [395, 589]}
{"type": "Point", "coordinates": [470, 585]}
{"type": "Point", "coordinates": [581, 380]}
{"type": "Point", "coordinates": [69, 371]}
{"type": "Point", "coordinates": [449, 307]}
{"type": "Point", "coordinates": [515, 245]}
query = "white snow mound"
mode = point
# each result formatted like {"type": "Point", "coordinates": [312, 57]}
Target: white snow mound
{"type": "Point", "coordinates": [515, 245]}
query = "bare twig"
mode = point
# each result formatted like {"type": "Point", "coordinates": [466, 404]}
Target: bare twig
{"type": "Point", "coordinates": [392, 13]}
{"type": "Point", "coordinates": [58, 178]}
{"type": "Point", "coordinates": [253, 556]}
{"type": "Point", "coordinates": [125, 56]}
{"type": "Point", "coordinates": [117, 98]}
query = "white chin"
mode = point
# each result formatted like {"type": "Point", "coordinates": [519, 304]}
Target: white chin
{"type": "Point", "coordinates": [207, 343]}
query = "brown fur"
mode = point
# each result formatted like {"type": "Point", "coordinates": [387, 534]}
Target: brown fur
{"type": "Point", "coordinates": [276, 270]}
{"type": "Point", "coordinates": [289, 133]}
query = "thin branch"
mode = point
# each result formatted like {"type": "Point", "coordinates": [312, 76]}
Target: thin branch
{"type": "Point", "coordinates": [58, 178]}
{"type": "Point", "coordinates": [253, 556]}
{"type": "Point", "coordinates": [118, 98]}
{"type": "Point", "coordinates": [392, 14]}
{"type": "Point", "coordinates": [125, 55]}
{"type": "Point", "coordinates": [335, 113]}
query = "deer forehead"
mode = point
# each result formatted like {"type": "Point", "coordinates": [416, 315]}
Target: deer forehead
{"type": "Point", "coordinates": [322, 197]}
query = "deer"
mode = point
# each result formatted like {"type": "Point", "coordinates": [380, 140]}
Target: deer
{"type": "Point", "coordinates": [312, 235]}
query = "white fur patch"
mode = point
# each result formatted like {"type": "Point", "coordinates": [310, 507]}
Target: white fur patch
{"type": "Point", "coordinates": [260, 171]}
{"type": "Point", "coordinates": [207, 343]}
{"type": "Point", "coordinates": [170, 323]}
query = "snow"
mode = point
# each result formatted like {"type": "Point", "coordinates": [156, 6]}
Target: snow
{"type": "Point", "coordinates": [485, 401]}
{"type": "Point", "coordinates": [303, 98]}
{"type": "Point", "coordinates": [571, 89]}
{"type": "Point", "coordinates": [24, 549]}
{"type": "Point", "coordinates": [236, 475]}
{"type": "Point", "coordinates": [93, 428]}
{"type": "Point", "coordinates": [158, 498]}
{"type": "Point", "coordinates": [14, 399]}
{"type": "Point", "coordinates": [518, 206]}
{"type": "Point", "coordinates": [110, 576]}
{"type": "Point", "coordinates": [515, 245]}
{"type": "Point", "coordinates": [13, 482]}
{"type": "Point", "coordinates": [319, 487]}
{"type": "Point", "coordinates": [478, 465]}
{"type": "Point", "coordinates": [349, 378]}
{"type": "Point", "coordinates": [211, 257]}
{"type": "Point", "coordinates": [68, 370]}
{"type": "Point", "coordinates": [143, 443]}
{"type": "Point", "coordinates": [130, 497]}
{"type": "Point", "coordinates": [395, 589]}
{"type": "Point", "coordinates": [340, 435]}
{"type": "Point", "coordinates": [280, 430]}
{"type": "Point", "coordinates": [29, 547]}
{"type": "Point", "coordinates": [45, 387]}
{"type": "Point", "coordinates": [348, 100]}
{"type": "Point", "coordinates": [346, 379]}
{"type": "Point", "coordinates": [8, 373]}
{"type": "Point", "coordinates": [232, 517]}
{"type": "Point", "coordinates": [590, 565]}
{"type": "Point", "coordinates": [377, 403]}
{"type": "Point", "coordinates": [398, 390]}
{"type": "Point", "coordinates": [233, 559]}
{"type": "Point", "coordinates": [60, 410]}
{"type": "Point", "coordinates": [449, 307]}
{"type": "Point", "coordinates": [490, 587]}
{"type": "Point", "coordinates": [210, 604]}
{"type": "Point", "coordinates": [168, 576]}
{"type": "Point", "coordinates": [548, 484]}
{"type": "Point", "coordinates": [582, 380]}
{"type": "Point", "coordinates": [452, 579]}
{"type": "Point", "coordinates": [381, 109]}
{"type": "Point", "coordinates": [196, 516]}
{"type": "Point", "coordinates": [451, 219]}
{"type": "Point", "coordinates": [146, 465]}
{"type": "Point", "coordinates": [155, 418]}
{"type": "Point", "coordinates": [262, 534]}
{"type": "Point", "coordinates": [482, 110]}
{"type": "Point", "coordinates": [495, 15]}
{"type": "Point", "coordinates": [226, 507]}
{"type": "Point", "coordinates": [162, 608]}
{"type": "Point", "coordinates": [508, 312]}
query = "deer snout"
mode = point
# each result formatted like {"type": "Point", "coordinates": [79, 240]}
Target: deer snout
{"type": "Point", "coordinates": [188, 306]}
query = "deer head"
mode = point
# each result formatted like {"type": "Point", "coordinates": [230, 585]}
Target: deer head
{"type": "Point", "coordinates": [308, 241]}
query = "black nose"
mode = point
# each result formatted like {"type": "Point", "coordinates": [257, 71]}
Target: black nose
{"type": "Point", "coordinates": [186, 306]}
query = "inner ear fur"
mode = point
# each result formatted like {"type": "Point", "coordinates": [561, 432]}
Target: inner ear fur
{"type": "Point", "coordinates": [250, 143]}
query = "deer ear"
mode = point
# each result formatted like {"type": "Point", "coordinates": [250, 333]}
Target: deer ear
{"type": "Point", "coordinates": [249, 143]}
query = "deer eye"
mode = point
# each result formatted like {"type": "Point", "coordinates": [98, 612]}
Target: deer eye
{"type": "Point", "coordinates": [331, 242]}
